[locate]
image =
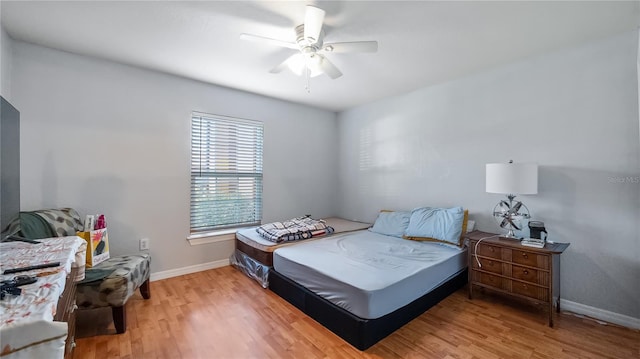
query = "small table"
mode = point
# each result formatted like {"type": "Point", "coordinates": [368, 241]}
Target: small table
{"type": "Point", "coordinates": [41, 321]}
{"type": "Point", "coordinates": [505, 266]}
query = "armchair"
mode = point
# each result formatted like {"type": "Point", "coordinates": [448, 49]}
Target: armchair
{"type": "Point", "coordinates": [122, 275]}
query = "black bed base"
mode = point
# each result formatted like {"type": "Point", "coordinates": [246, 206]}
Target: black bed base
{"type": "Point", "coordinates": [359, 332]}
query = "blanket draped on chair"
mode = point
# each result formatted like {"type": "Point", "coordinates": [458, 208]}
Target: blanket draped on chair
{"type": "Point", "coordinates": [34, 226]}
{"type": "Point", "coordinates": [45, 223]}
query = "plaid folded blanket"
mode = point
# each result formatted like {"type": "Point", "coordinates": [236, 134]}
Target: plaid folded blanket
{"type": "Point", "coordinates": [294, 229]}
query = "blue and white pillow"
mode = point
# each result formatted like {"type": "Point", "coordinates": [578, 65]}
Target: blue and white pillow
{"type": "Point", "coordinates": [391, 223]}
{"type": "Point", "coordinates": [441, 224]}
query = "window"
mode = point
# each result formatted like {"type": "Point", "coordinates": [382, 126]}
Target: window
{"type": "Point", "coordinates": [226, 172]}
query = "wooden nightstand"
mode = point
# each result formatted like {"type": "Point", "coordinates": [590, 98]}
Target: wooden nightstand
{"type": "Point", "coordinates": [509, 267]}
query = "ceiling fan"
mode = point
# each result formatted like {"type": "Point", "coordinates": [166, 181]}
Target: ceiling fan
{"type": "Point", "coordinates": [311, 59]}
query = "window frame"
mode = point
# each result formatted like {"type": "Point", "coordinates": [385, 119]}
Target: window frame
{"type": "Point", "coordinates": [198, 233]}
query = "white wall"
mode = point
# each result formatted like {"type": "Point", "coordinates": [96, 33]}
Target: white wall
{"type": "Point", "coordinates": [6, 55]}
{"type": "Point", "coordinates": [574, 112]}
{"type": "Point", "coordinates": [107, 138]}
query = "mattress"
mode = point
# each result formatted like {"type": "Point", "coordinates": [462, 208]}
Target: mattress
{"type": "Point", "coordinates": [250, 235]}
{"type": "Point", "coordinates": [254, 254]}
{"type": "Point", "coordinates": [249, 242]}
{"type": "Point", "coordinates": [369, 274]}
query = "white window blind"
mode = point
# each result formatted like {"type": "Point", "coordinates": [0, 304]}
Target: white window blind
{"type": "Point", "coordinates": [226, 172]}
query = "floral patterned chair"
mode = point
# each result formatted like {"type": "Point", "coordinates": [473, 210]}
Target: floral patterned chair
{"type": "Point", "coordinates": [123, 274]}
{"type": "Point", "coordinates": [129, 273]}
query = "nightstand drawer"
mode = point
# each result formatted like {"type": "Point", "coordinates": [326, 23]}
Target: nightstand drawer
{"type": "Point", "coordinates": [530, 275]}
{"type": "Point", "coordinates": [486, 250]}
{"type": "Point", "coordinates": [488, 265]}
{"type": "Point", "coordinates": [531, 259]}
{"type": "Point", "coordinates": [530, 290]}
{"type": "Point", "coordinates": [491, 280]}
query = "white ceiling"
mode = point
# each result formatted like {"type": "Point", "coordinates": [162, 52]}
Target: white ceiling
{"type": "Point", "coordinates": [420, 42]}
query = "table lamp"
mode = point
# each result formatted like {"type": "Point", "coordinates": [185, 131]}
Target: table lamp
{"type": "Point", "coordinates": [511, 179]}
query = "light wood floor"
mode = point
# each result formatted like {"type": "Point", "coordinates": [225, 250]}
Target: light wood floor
{"type": "Point", "coordinates": [221, 313]}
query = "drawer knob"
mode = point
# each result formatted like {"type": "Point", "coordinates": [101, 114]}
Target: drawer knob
{"type": "Point", "coordinates": [491, 249]}
{"type": "Point", "coordinates": [491, 263]}
{"type": "Point", "coordinates": [524, 255]}
{"type": "Point", "coordinates": [525, 271]}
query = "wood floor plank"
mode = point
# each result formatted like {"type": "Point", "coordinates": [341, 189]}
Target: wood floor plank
{"type": "Point", "coordinates": [221, 313]}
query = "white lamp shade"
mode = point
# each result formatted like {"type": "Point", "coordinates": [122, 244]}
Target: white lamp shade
{"type": "Point", "coordinates": [512, 178]}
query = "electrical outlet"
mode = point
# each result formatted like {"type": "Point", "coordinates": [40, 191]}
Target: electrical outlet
{"type": "Point", "coordinates": [144, 244]}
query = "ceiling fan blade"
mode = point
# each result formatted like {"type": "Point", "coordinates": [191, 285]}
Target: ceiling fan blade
{"type": "Point", "coordinates": [270, 41]}
{"type": "Point", "coordinates": [313, 19]}
{"type": "Point", "coordinates": [356, 46]}
{"type": "Point", "coordinates": [328, 68]}
{"type": "Point", "coordinates": [283, 65]}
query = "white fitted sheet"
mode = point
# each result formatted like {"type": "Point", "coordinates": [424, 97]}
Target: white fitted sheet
{"type": "Point", "coordinates": [369, 274]}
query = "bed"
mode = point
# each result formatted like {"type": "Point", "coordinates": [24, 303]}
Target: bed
{"type": "Point", "coordinates": [254, 254]}
{"type": "Point", "coordinates": [364, 285]}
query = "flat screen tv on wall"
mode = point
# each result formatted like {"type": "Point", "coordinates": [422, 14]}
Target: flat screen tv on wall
{"type": "Point", "coordinates": [9, 165]}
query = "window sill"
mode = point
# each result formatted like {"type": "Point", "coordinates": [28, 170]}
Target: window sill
{"type": "Point", "coordinates": [213, 237]}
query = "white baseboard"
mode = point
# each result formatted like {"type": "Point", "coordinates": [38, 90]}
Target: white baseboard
{"type": "Point", "coordinates": [188, 270]}
{"type": "Point", "coordinates": [600, 314]}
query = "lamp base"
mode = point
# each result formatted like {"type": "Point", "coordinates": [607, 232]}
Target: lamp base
{"type": "Point", "coordinates": [509, 215]}
{"type": "Point", "coordinates": [511, 235]}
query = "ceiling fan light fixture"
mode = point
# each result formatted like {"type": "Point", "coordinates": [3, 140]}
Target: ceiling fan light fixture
{"type": "Point", "coordinates": [314, 64]}
{"type": "Point", "coordinates": [299, 62]}
{"type": "Point", "coordinates": [328, 48]}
